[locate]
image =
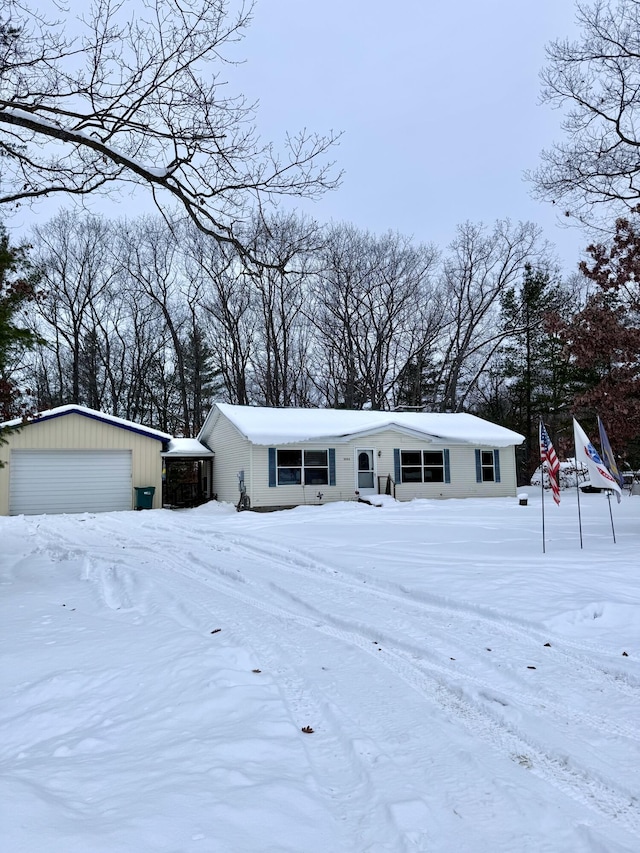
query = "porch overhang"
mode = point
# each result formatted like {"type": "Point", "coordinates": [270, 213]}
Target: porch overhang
{"type": "Point", "coordinates": [187, 448]}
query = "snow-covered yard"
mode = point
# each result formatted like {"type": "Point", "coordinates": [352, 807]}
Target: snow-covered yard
{"type": "Point", "coordinates": [466, 691]}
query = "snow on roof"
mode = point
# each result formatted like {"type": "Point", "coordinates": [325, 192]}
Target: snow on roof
{"type": "Point", "coordinates": [285, 426]}
{"type": "Point", "coordinates": [187, 447]}
{"type": "Point", "coordinates": [73, 408]}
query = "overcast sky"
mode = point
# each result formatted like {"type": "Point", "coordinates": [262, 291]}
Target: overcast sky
{"type": "Point", "coordinates": [438, 102]}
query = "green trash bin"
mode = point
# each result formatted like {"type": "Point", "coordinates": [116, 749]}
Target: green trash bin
{"type": "Point", "coordinates": [144, 497]}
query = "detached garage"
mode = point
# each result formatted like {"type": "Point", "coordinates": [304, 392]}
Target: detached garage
{"type": "Point", "coordinates": [73, 459]}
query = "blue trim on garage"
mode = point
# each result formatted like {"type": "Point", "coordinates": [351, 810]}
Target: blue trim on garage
{"type": "Point", "coordinates": [139, 430]}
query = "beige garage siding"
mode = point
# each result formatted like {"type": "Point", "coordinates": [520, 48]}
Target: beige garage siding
{"type": "Point", "coordinates": [73, 431]}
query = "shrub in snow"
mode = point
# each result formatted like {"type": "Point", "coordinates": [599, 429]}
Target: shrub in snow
{"type": "Point", "coordinates": [566, 477]}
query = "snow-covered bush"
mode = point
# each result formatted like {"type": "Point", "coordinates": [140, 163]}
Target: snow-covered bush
{"type": "Point", "coordinates": [566, 477]}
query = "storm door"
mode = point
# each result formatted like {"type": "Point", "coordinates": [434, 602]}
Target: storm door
{"type": "Point", "coordinates": [365, 473]}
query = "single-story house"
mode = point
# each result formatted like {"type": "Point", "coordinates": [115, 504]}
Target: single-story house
{"type": "Point", "coordinates": [267, 458]}
{"type": "Point", "coordinates": [75, 459]}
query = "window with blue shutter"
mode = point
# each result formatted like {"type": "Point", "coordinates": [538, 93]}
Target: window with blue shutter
{"type": "Point", "coordinates": [396, 465]}
{"type": "Point", "coordinates": [422, 466]}
{"type": "Point", "coordinates": [293, 466]}
{"type": "Point", "coordinates": [332, 466]}
{"type": "Point", "coordinates": [272, 466]}
{"type": "Point", "coordinates": [487, 466]}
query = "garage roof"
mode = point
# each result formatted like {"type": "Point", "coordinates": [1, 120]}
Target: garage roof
{"type": "Point", "coordinates": [61, 411]}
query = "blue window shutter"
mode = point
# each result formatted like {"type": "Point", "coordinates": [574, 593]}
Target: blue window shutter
{"type": "Point", "coordinates": [272, 466]}
{"type": "Point", "coordinates": [496, 465]}
{"type": "Point", "coordinates": [332, 466]}
{"type": "Point", "coordinates": [447, 467]}
{"type": "Point", "coordinates": [478, 467]}
{"type": "Point", "coordinates": [396, 464]}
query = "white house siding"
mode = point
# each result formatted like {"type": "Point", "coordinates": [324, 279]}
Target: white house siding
{"type": "Point", "coordinates": [462, 466]}
{"type": "Point", "coordinates": [263, 495]}
{"type": "Point", "coordinates": [77, 432]}
{"type": "Point", "coordinates": [233, 454]}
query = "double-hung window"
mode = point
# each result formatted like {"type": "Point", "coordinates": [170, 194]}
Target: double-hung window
{"type": "Point", "coordinates": [297, 467]}
{"type": "Point", "coordinates": [422, 466]}
{"type": "Point", "coordinates": [487, 466]}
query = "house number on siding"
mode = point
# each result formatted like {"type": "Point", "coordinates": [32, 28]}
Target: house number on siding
{"type": "Point", "coordinates": [346, 459]}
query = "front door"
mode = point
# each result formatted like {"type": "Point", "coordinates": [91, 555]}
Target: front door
{"type": "Point", "coordinates": [365, 472]}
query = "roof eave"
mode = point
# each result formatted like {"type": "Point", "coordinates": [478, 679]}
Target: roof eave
{"type": "Point", "coordinates": [92, 415]}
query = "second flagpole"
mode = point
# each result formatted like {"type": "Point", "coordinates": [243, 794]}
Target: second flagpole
{"type": "Point", "coordinates": [575, 450]}
{"type": "Point", "coordinates": [542, 485]}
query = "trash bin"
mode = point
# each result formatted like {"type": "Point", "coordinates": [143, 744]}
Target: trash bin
{"type": "Point", "coordinates": [144, 497]}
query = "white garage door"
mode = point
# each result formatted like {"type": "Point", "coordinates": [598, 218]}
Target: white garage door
{"type": "Point", "coordinates": [52, 481]}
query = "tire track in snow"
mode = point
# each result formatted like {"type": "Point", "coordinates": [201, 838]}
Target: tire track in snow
{"type": "Point", "coordinates": [347, 782]}
{"type": "Point", "coordinates": [301, 563]}
{"type": "Point", "coordinates": [449, 633]}
{"type": "Point", "coordinates": [562, 772]}
{"type": "Point", "coordinates": [574, 653]}
{"type": "Point", "coordinates": [418, 650]}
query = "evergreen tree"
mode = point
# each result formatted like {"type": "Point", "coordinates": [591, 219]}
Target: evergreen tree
{"type": "Point", "coordinates": [531, 377]}
{"type": "Point", "coordinates": [203, 379]}
{"type": "Point", "coordinates": [17, 288]}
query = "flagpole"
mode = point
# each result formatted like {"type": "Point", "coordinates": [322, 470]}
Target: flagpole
{"type": "Point", "coordinates": [541, 483]}
{"type": "Point", "coordinates": [542, 503]}
{"type": "Point", "coordinates": [575, 450]}
{"type": "Point", "coordinates": [611, 517]}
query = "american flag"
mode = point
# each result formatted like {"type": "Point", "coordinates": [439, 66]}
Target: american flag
{"type": "Point", "coordinates": [548, 455]}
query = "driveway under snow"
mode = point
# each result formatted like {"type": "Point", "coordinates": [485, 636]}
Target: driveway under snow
{"type": "Point", "coordinates": [465, 691]}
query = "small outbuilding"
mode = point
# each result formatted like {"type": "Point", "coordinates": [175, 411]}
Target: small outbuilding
{"type": "Point", "coordinates": [75, 459]}
{"type": "Point", "coordinates": [275, 458]}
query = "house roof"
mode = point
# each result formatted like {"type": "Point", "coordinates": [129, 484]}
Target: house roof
{"type": "Point", "coordinates": [267, 426]}
{"type": "Point", "coordinates": [93, 414]}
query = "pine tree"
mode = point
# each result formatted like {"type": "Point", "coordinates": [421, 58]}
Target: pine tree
{"type": "Point", "coordinates": [532, 377]}
{"type": "Point", "coordinates": [17, 288]}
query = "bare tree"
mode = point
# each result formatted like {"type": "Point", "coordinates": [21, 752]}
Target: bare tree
{"type": "Point", "coordinates": [150, 254]}
{"type": "Point", "coordinates": [133, 98]}
{"type": "Point", "coordinates": [480, 267]}
{"type": "Point", "coordinates": [597, 78]}
{"type": "Point", "coordinates": [280, 354]}
{"type": "Point", "coordinates": [134, 341]}
{"type": "Point", "coordinates": [227, 306]}
{"type": "Point", "coordinates": [371, 313]}
{"type": "Point", "coordinates": [77, 279]}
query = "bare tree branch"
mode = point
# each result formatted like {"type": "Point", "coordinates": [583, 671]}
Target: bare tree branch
{"type": "Point", "coordinates": [132, 98]}
{"type": "Point", "coordinates": [596, 168]}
